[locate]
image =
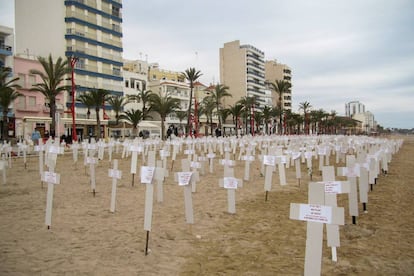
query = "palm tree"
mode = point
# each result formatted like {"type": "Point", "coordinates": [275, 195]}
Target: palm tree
{"type": "Point", "coordinates": [86, 99]}
{"type": "Point", "coordinates": [305, 106]}
{"type": "Point", "coordinates": [219, 92]}
{"type": "Point", "coordinates": [208, 106]}
{"type": "Point", "coordinates": [267, 115]}
{"type": "Point", "coordinates": [52, 77]}
{"type": "Point", "coordinates": [118, 103]}
{"type": "Point", "coordinates": [144, 97]}
{"type": "Point", "coordinates": [248, 103]}
{"type": "Point", "coordinates": [181, 115]}
{"type": "Point", "coordinates": [280, 87]}
{"type": "Point", "coordinates": [236, 111]}
{"type": "Point", "coordinates": [133, 116]}
{"type": "Point", "coordinates": [192, 76]}
{"type": "Point", "coordinates": [99, 97]}
{"type": "Point", "coordinates": [163, 106]}
{"type": "Point", "coordinates": [8, 95]}
{"type": "Point", "coordinates": [258, 119]}
{"type": "Point", "coordinates": [277, 112]}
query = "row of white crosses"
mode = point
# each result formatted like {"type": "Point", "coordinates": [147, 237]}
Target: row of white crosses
{"type": "Point", "coordinates": [322, 208]}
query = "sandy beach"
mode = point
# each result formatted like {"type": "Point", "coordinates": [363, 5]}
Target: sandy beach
{"type": "Point", "coordinates": [260, 239]}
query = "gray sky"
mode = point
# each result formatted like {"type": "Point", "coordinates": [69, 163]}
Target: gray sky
{"type": "Point", "coordinates": [339, 51]}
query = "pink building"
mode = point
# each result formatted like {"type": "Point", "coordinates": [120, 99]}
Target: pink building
{"type": "Point", "coordinates": [31, 111]}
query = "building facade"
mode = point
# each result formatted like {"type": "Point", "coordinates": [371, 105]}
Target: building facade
{"type": "Point", "coordinates": [242, 70]}
{"type": "Point", "coordinates": [354, 107]}
{"type": "Point", "coordinates": [6, 60]}
{"type": "Point", "coordinates": [88, 31]}
{"type": "Point", "coordinates": [6, 46]}
{"type": "Point", "coordinates": [275, 71]}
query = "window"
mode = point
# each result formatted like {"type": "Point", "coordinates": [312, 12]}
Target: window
{"type": "Point", "coordinates": [132, 84]}
{"type": "Point", "coordinates": [115, 11]}
{"type": "Point", "coordinates": [21, 103]}
{"type": "Point", "coordinates": [31, 101]}
{"type": "Point", "coordinates": [127, 83]}
{"type": "Point", "coordinates": [32, 80]}
{"type": "Point", "coordinates": [21, 80]}
{"type": "Point", "coordinates": [80, 64]}
{"type": "Point", "coordinates": [117, 72]}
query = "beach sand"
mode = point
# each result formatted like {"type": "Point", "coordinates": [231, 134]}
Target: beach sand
{"type": "Point", "coordinates": [260, 239]}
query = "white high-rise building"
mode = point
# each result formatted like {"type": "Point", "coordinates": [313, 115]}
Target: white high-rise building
{"type": "Point", "coordinates": [354, 107]}
{"type": "Point", "coordinates": [88, 30]}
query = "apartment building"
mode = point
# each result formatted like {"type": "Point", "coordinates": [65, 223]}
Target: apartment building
{"type": "Point", "coordinates": [275, 71]}
{"type": "Point", "coordinates": [6, 46]}
{"type": "Point", "coordinates": [89, 31]}
{"type": "Point", "coordinates": [6, 60]}
{"type": "Point", "coordinates": [356, 110]}
{"type": "Point", "coordinates": [354, 107]}
{"type": "Point", "coordinates": [242, 70]}
{"type": "Point", "coordinates": [135, 74]}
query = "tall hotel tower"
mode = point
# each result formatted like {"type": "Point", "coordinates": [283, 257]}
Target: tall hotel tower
{"type": "Point", "coordinates": [242, 70]}
{"type": "Point", "coordinates": [88, 30]}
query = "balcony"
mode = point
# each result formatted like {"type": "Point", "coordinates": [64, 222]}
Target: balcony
{"type": "Point", "coordinates": [77, 49]}
{"type": "Point", "coordinates": [29, 108]}
{"type": "Point", "coordinates": [6, 50]}
{"type": "Point", "coordinates": [91, 18]}
{"type": "Point", "coordinates": [81, 33]}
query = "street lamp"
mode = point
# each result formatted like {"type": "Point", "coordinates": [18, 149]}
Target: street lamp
{"type": "Point", "coordinates": [73, 61]}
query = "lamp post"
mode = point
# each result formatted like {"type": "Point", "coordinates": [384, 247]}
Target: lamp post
{"type": "Point", "coordinates": [73, 61]}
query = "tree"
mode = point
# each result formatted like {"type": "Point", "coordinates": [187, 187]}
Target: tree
{"type": "Point", "coordinates": [266, 116]}
{"type": "Point", "coordinates": [181, 115]}
{"type": "Point", "coordinates": [258, 118]}
{"type": "Point", "coordinates": [118, 103]}
{"type": "Point", "coordinates": [280, 87]}
{"type": "Point", "coordinates": [208, 106]}
{"type": "Point", "coordinates": [305, 106]}
{"type": "Point", "coordinates": [99, 97]}
{"type": "Point", "coordinates": [8, 95]}
{"type": "Point", "coordinates": [133, 116]}
{"type": "Point", "coordinates": [52, 76]}
{"type": "Point", "coordinates": [220, 91]}
{"type": "Point", "coordinates": [192, 76]}
{"type": "Point", "coordinates": [144, 97]}
{"type": "Point", "coordinates": [163, 105]}
{"type": "Point", "coordinates": [248, 103]}
{"type": "Point", "coordinates": [86, 99]}
{"type": "Point", "coordinates": [277, 112]}
{"type": "Point", "coordinates": [236, 111]}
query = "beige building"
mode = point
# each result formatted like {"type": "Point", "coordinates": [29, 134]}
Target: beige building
{"type": "Point", "coordinates": [278, 71]}
{"type": "Point", "coordinates": [242, 70]}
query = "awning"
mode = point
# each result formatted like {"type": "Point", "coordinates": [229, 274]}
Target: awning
{"type": "Point", "coordinates": [37, 119]}
{"type": "Point", "coordinates": [83, 121]}
{"type": "Point", "coordinates": [146, 124]}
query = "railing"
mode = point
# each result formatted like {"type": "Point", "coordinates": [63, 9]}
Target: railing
{"type": "Point", "coordinates": [6, 47]}
{"type": "Point", "coordinates": [111, 57]}
{"type": "Point", "coordinates": [29, 108]}
{"type": "Point", "coordinates": [80, 15]}
{"type": "Point", "coordinates": [110, 41]}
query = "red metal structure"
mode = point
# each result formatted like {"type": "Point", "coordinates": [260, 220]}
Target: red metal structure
{"type": "Point", "coordinates": [73, 61]}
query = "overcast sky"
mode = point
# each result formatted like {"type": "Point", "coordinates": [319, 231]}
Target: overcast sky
{"type": "Point", "coordinates": [339, 51]}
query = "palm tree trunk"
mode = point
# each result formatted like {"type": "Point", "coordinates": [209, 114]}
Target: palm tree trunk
{"type": "Point", "coordinates": [98, 123]}
{"type": "Point", "coordinates": [235, 123]}
{"type": "Point", "coordinates": [189, 110]}
{"type": "Point", "coordinates": [4, 129]}
{"type": "Point", "coordinates": [52, 113]}
{"type": "Point", "coordinates": [162, 128]}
